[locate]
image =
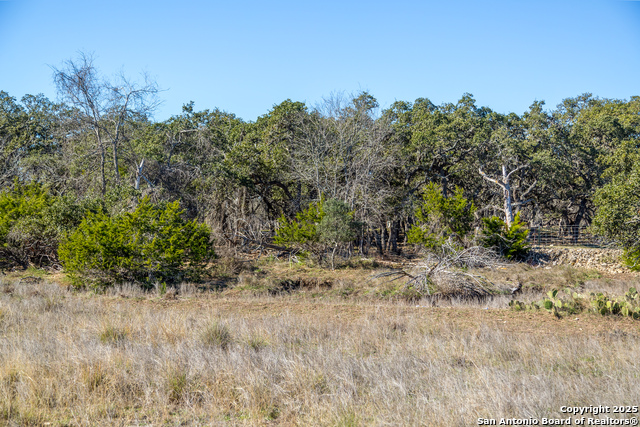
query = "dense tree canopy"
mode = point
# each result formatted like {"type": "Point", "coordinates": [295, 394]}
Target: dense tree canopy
{"type": "Point", "coordinates": [566, 165]}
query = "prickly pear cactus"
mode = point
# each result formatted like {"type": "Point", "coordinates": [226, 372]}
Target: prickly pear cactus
{"type": "Point", "coordinates": [572, 303]}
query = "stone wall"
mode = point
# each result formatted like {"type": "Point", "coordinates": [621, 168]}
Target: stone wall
{"type": "Point", "coordinates": [604, 260]}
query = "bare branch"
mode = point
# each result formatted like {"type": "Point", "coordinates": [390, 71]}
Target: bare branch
{"type": "Point", "coordinates": [488, 178]}
{"type": "Point", "coordinates": [516, 170]}
{"type": "Point", "coordinates": [528, 190]}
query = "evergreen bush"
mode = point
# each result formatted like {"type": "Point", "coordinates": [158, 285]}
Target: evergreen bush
{"type": "Point", "coordinates": [439, 218]}
{"type": "Point", "coordinates": [18, 206]}
{"type": "Point", "coordinates": [337, 227]}
{"type": "Point", "coordinates": [322, 226]}
{"type": "Point", "coordinates": [301, 233]}
{"type": "Point", "coordinates": [302, 230]}
{"type": "Point", "coordinates": [152, 244]}
{"type": "Point", "coordinates": [33, 221]}
{"type": "Point", "coordinates": [510, 242]}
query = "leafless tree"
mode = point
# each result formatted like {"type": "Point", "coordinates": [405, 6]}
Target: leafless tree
{"type": "Point", "coordinates": [509, 191]}
{"type": "Point", "coordinates": [345, 152]}
{"type": "Point", "coordinates": [505, 147]}
{"type": "Point", "coordinates": [104, 108]}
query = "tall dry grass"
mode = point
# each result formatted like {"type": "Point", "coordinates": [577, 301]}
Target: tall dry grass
{"type": "Point", "coordinates": [85, 359]}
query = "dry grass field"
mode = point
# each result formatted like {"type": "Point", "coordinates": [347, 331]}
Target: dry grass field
{"type": "Point", "coordinates": [314, 348]}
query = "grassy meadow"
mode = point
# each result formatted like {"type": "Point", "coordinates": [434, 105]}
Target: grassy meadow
{"type": "Point", "coordinates": [269, 343]}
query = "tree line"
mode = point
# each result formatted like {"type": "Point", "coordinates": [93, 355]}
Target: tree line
{"type": "Point", "coordinates": [576, 164]}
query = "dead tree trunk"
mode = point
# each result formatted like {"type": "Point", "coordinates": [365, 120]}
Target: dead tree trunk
{"type": "Point", "coordinates": [508, 191]}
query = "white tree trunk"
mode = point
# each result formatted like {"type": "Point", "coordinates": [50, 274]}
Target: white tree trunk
{"type": "Point", "coordinates": [508, 208]}
{"type": "Point", "coordinates": [139, 174]}
{"type": "Point", "coordinates": [507, 191]}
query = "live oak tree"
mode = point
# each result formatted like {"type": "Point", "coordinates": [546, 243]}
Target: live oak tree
{"type": "Point", "coordinates": [618, 201]}
{"type": "Point", "coordinates": [440, 142]}
{"type": "Point", "coordinates": [239, 177]}
{"type": "Point", "coordinates": [618, 214]}
{"type": "Point", "coordinates": [12, 143]}
{"type": "Point", "coordinates": [570, 161]}
{"type": "Point", "coordinates": [505, 182]}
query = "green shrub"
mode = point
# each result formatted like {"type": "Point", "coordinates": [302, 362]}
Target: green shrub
{"type": "Point", "coordinates": [152, 244]}
{"type": "Point", "coordinates": [322, 226]}
{"type": "Point", "coordinates": [32, 223]}
{"type": "Point", "coordinates": [440, 218]}
{"type": "Point", "coordinates": [337, 227]}
{"type": "Point", "coordinates": [510, 242]}
{"type": "Point", "coordinates": [22, 204]}
{"type": "Point", "coordinates": [301, 232]}
{"type": "Point", "coordinates": [337, 224]}
{"type": "Point", "coordinates": [631, 258]}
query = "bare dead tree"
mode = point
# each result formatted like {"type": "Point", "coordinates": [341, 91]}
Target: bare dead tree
{"type": "Point", "coordinates": [509, 190]}
{"type": "Point", "coordinates": [345, 152]}
{"type": "Point", "coordinates": [103, 108]}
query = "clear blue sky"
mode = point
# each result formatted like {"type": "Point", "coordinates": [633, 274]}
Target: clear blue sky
{"type": "Point", "coordinates": [245, 56]}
